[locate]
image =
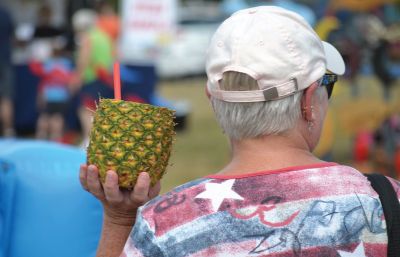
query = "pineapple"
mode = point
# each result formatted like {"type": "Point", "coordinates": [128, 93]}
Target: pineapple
{"type": "Point", "coordinates": [130, 138]}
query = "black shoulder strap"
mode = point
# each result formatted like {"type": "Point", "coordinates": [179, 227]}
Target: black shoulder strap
{"type": "Point", "coordinates": [391, 210]}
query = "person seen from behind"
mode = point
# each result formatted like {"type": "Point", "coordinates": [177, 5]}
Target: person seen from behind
{"type": "Point", "coordinates": [270, 78]}
{"type": "Point", "coordinates": [108, 21]}
{"type": "Point", "coordinates": [95, 55]}
{"type": "Point", "coordinates": [55, 74]}
{"type": "Point", "coordinates": [45, 29]}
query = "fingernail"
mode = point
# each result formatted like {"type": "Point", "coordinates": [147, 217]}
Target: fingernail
{"type": "Point", "coordinates": [109, 176]}
{"type": "Point", "coordinates": [144, 175]}
{"type": "Point", "coordinates": [91, 170]}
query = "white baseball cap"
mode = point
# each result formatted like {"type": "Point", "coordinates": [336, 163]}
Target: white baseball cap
{"type": "Point", "coordinates": [276, 47]}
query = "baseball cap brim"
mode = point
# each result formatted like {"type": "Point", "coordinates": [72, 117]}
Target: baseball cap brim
{"type": "Point", "coordinates": [334, 61]}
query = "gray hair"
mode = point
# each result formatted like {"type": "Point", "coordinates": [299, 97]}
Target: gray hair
{"type": "Point", "coordinates": [251, 120]}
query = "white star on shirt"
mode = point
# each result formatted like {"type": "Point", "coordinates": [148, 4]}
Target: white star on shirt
{"type": "Point", "coordinates": [218, 192]}
{"type": "Point", "coordinates": [358, 252]}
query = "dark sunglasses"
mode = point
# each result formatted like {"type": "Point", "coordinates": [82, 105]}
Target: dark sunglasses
{"type": "Point", "coordinates": [328, 81]}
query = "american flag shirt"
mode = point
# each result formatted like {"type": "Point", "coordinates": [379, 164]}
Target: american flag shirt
{"type": "Point", "coordinates": [323, 209]}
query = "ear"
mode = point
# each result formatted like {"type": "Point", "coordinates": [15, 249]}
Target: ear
{"type": "Point", "coordinates": [208, 92]}
{"type": "Point", "coordinates": [307, 102]}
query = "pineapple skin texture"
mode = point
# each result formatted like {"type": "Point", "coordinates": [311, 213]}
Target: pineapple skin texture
{"type": "Point", "coordinates": [130, 138]}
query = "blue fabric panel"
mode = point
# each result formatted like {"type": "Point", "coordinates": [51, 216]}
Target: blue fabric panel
{"type": "Point", "coordinates": [52, 214]}
{"type": "Point", "coordinates": [139, 80]}
{"type": "Point", "coordinates": [7, 188]}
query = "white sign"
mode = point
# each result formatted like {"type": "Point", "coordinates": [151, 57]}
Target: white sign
{"type": "Point", "coordinates": [146, 25]}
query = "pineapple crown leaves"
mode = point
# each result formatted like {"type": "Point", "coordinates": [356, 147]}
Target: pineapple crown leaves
{"type": "Point", "coordinates": [96, 104]}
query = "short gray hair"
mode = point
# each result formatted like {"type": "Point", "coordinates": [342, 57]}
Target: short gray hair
{"type": "Point", "coordinates": [251, 120]}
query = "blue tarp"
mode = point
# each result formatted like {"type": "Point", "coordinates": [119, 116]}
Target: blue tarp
{"type": "Point", "coordinates": [44, 211]}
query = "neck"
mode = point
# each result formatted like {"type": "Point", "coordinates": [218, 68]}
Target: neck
{"type": "Point", "coordinates": [269, 153]}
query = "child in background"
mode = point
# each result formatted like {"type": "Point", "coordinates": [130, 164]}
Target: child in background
{"type": "Point", "coordinates": [53, 94]}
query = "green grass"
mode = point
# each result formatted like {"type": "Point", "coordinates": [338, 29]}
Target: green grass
{"type": "Point", "coordinates": [200, 149]}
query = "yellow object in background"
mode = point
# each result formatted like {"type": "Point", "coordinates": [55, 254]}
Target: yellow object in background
{"type": "Point", "coordinates": [358, 5]}
{"type": "Point", "coordinates": [326, 25]}
{"type": "Point", "coordinates": [325, 144]}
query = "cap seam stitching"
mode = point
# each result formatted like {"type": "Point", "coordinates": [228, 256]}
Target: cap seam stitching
{"type": "Point", "coordinates": [293, 52]}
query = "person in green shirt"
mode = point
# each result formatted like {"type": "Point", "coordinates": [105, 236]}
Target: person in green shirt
{"type": "Point", "coordinates": [94, 60]}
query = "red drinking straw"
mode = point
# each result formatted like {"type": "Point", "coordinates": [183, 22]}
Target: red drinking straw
{"type": "Point", "coordinates": [117, 82]}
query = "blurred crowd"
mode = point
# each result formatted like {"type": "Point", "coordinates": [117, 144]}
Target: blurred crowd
{"type": "Point", "coordinates": [72, 63]}
{"type": "Point", "coordinates": [368, 36]}
{"type": "Point", "coordinates": [68, 62]}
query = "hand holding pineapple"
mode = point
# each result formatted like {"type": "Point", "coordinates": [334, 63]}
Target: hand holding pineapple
{"type": "Point", "coordinates": [120, 206]}
{"type": "Point", "coordinates": [129, 148]}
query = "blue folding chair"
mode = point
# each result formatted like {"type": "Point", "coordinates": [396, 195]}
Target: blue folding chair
{"type": "Point", "coordinates": [45, 212]}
